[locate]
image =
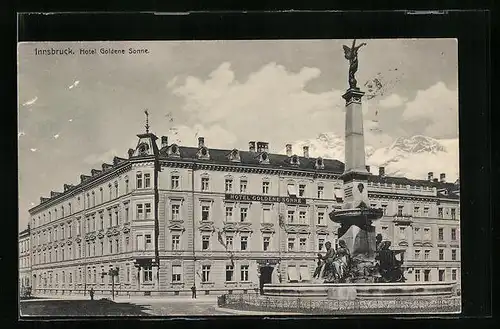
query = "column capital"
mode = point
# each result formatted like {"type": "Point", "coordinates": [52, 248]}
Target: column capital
{"type": "Point", "coordinates": [353, 95]}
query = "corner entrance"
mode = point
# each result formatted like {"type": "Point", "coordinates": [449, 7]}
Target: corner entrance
{"type": "Point", "coordinates": [266, 273]}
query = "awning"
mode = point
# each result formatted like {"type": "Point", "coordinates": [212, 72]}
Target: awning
{"type": "Point", "coordinates": [292, 273]}
{"type": "Point", "coordinates": [291, 190]}
{"type": "Point", "coordinates": [176, 269]}
{"type": "Point", "coordinates": [305, 275]}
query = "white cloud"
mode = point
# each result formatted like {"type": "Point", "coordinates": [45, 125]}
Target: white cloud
{"type": "Point", "coordinates": [439, 106]}
{"type": "Point", "coordinates": [271, 104]}
{"type": "Point", "coordinates": [172, 82]}
{"type": "Point", "coordinates": [394, 100]}
{"type": "Point", "coordinates": [215, 136]}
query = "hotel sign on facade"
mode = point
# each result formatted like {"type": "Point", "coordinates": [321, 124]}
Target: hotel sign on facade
{"type": "Point", "coordinates": [264, 198]}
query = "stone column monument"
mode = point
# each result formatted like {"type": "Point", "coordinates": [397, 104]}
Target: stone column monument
{"type": "Point", "coordinates": [356, 216]}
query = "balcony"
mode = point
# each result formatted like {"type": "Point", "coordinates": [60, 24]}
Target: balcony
{"type": "Point", "coordinates": [402, 219]}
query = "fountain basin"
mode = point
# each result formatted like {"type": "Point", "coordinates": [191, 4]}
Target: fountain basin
{"type": "Point", "coordinates": [362, 290]}
{"type": "Point", "coordinates": [343, 215]}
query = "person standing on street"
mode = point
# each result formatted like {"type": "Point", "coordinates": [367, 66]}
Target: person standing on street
{"type": "Point", "coordinates": [91, 293]}
{"type": "Point", "coordinates": [193, 291]}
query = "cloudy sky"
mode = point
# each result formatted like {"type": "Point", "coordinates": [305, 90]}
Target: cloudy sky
{"type": "Point", "coordinates": [76, 112]}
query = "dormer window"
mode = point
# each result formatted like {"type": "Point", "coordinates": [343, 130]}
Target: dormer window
{"type": "Point", "coordinates": [264, 158]}
{"type": "Point", "coordinates": [319, 163]}
{"type": "Point", "coordinates": [234, 156]}
{"type": "Point", "coordinates": [203, 153]}
{"type": "Point", "coordinates": [294, 160]}
{"type": "Point", "coordinates": [173, 151]}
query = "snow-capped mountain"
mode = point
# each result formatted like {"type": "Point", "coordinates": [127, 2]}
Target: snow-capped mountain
{"type": "Point", "coordinates": [412, 157]}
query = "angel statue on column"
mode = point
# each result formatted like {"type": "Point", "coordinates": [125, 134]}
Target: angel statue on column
{"type": "Point", "coordinates": [351, 54]}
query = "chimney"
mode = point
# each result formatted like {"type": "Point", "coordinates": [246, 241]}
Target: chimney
{"type": "Point", "coordinates": [251, 146]}
{"type": "Point", "coordinates": [381, 171]}
{"type": "Point", "coordinates": [430, 174]}
{"type": "Point", "coordinates": [442, 177]}
{"type": "Point", "coordinates": [435, 180]}
{"type": "Point", "coordinates": [201, 142]}
{"type": "Point", "coordinates": [265, 147]}
{"type": "Point", "coordinates": [368, 168]}
{"type": "Point", "coordinates": [260, 147]}
{"type": "Point", "coordinates": [306, 151]}
{"type": "Point", "coordinates": [164, 141]}
{"type": "Point", "coordinates": [130, 152]}
{"type": "Point", "coordinates": [288, 150]}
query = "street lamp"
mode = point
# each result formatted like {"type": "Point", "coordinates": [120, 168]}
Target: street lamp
{"type": "Point", "coordinates": [112, 273]}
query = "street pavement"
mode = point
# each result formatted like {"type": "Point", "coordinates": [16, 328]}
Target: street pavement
{"type": "Point", "coordinates": [177, 306]}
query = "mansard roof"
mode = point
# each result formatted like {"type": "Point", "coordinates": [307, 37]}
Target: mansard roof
{"type": "Point", "coordinates": [219, 156]}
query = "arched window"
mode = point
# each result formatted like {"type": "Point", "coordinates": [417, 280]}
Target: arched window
{"type": "Point", "coordinates": [116, 189]}
{"type": "Point", "coordinates": [62, 211]}
{"type": "Point", "coordinates": [69, 207]}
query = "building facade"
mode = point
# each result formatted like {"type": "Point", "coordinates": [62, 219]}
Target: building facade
{"type": "Point", "coordinates": [170, 217]}
{"type": "Point", "coordinates": [24, 259]}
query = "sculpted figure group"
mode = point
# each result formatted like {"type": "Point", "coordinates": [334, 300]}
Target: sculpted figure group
{"type": "Point", "coordinates": [336, 266]}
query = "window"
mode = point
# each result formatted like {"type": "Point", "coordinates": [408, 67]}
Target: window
{"type": "Point", "coordinates": [139, 180]}
{"type": "Point", "coordinates": [427, 233]}
{"type": "Point", "coordinates": [427, 275]}
{"type": "Point", "coordinates": [70, 278]}
{"type": "Point", "coordinates": [147, 207]}
{"type": "Point", "coordinates": [126, 186]}
{"type": "Point", "coordinates": [127, 243]}
{"type": "Point", "coordinates": [453, 213]}
{"type": "Point", "coordinates": [427, 254]}
{"type": "Point", "coordinates": [416, 211]}
{"type": "Point", "coordinates": [417, 275]}
{"type": "Point", "coordinates": [62, 210]}
{"type": "Point", "coordinates": [441, 254]}
{"type": "Point", "coordinates": [139, 211]}
{"type": "Point", "coordinates": [400, 210]}
{"type": "Point", "coordinates": [78, 225]}
{"type": "Point", "coordinates": [453, 274]}
{"type": "Point", "coordinates": [101, 249]}
{"type": "Point", "coordinates": [440, 212]}
{"type": "Point", "coordinates": [126, 214]}
{"type": "Point", "coordinates": [302, 217]}
{"type": "Point", "coordinates": [174, 182]}
{"type": "Point", "coordinates": [93, 199]}
{"type": "Point", "coordinates": [244, 273]}
{"type": "Point", "coordinates": [402, 234]}
{"type": "Point", "coordinates": [292, 273]}
{"type": "Point", "coordinates": [266, 215]}
{"type": "Point", "coordinates": [441, 275]}
{"type": "Point", "coordinates": [291, 244]}
{"type": "Point", "coordinates": [320, 191]}
{"type": "Point", "coordinates": [416, 233]}
{"type": "Point", "coordinates": [426, 212]}
{"type": "Point", "coordinates": [229, 242]}
{"type": "Point", "coordinates": [302, 190]}
{"type": "Point", "coordinates": [291, 190]}
{"type": "Point", "coordinates": [148, 240]}
{"type": "Point", "coordinates": [204, 184]}
{"type": "Point", "coordinates": [453, 234]}
{"type": "Point", "coordinates": [229, 273]}
{"type": "Point", "coordinates": [243, 214]}
{"type": "Point", "coordinates": [140, 242]}
{"type": "Point", "coordinates": [321, 218]}
{"type": "Point", "coordinates": [266, 241]}
{"type": "Point", "coordinates": [265, 187]}
{"type": "Point", "coordinates": [440, 234]}
{"type": "Point", "coordinates": [384, 209]}
{"type": "Point", "coordinates": [147, 180]}
{"type": "Point", "coordinates": [205, 242]}
{"type": "Point", "coordinates": [244, 242]}
{"type": "Point", "coordinates": [205, 271]}
{"type": "Point", "coordinates": [229, 186]}
{"type": "Point", "coordinates": [176, 239]}
{"type": "Point", "coordinates": [453, 254]}
{"type": "Point", "coordinates": [148, 273]}
{"type": "Point", "coordinates": [229, 213]}
{"type": "Point", "coordinates": [417, 254]}
{"type": "Point", "coordinates": [128, 274]}
{"type": "Point", "coordinates": [117, 245]}
{"type": "Point", "coordinates": [110, 192]}
{"type": "Point", "coordinates": [101, 221]}
{"type": "Point", "coordinates": [290, 216]}
{"type": "Point", "coordinates": [302, 244]}
{"type": "Point", "coordinates": [321, 244]}
{"type": "Point", "coordinates": [205, 213]}
{"type": "Point", "coordinates": [243, 186]}
{"type": "Point", "coordinates": [116, 190]}
{"type": "Point", "coordinates": [176, 273]}
{"type": "Point", "coordinates": [63, 276]}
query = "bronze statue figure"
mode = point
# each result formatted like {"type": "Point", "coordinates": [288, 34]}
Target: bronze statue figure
{"type": "Point", "coordinates": [333, 266]}
{"type": "Point", "coordinates": [351, 54]}
{"type": "Point", "coordinates": [389, 267]}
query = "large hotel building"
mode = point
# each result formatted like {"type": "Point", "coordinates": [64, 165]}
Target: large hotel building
{"type": "Point", "coordinates": [170, 217]}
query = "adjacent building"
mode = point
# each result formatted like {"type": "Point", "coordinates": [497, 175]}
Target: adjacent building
{"type": "Point", "coordinates": [24, 259]}
{"type": "Point", "coordinates": [170, 217]}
